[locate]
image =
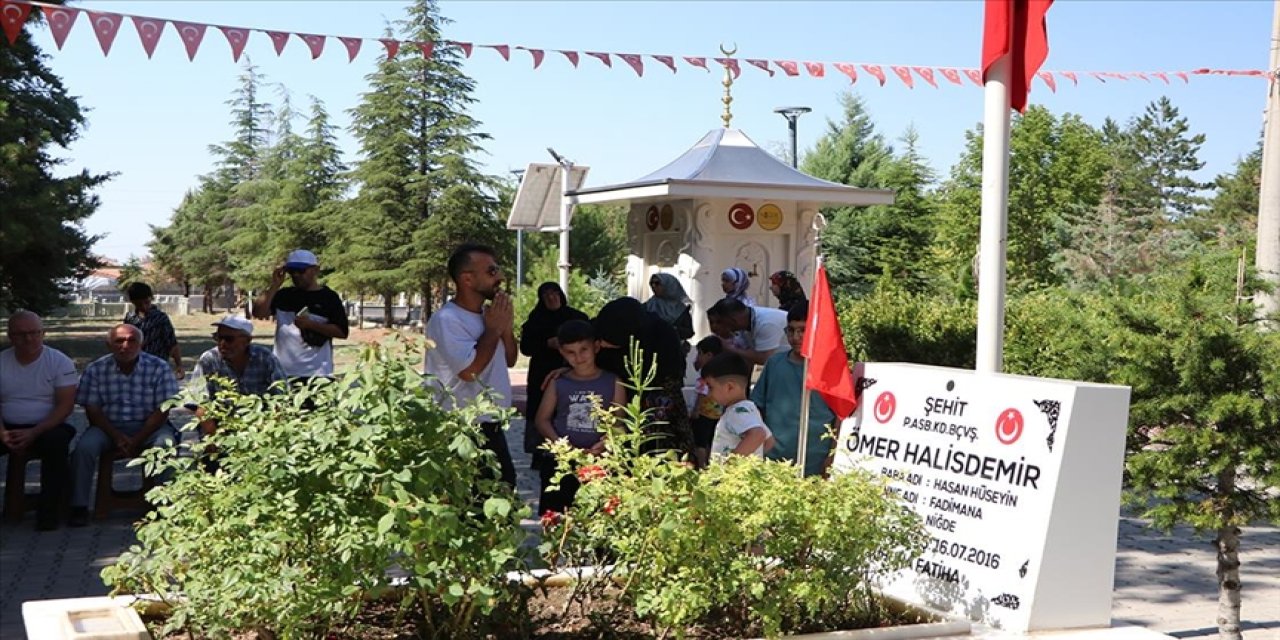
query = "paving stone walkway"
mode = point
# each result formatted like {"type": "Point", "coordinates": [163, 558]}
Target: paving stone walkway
{"type": "Point", "coordinates": [1163, 582]}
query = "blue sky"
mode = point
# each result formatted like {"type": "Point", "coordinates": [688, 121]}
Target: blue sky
{"type": "Point", "coordinates": [152, 120]}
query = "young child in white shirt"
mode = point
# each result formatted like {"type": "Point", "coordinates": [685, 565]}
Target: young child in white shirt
{"type": "Point", "coordinates": [741, 430]}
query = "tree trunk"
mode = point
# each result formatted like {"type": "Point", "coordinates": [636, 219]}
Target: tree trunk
{"type": "Point", "coordinates": [1228, 545]}
{"type": "Point", "coordinates": [427, 306]}
{"type": "Point", "coordinates": [206, 305]}
{"type": "Point", "coordinates": [387, 299]}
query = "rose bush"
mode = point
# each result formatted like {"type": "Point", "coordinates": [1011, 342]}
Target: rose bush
{"type": "Point", "coordinates": [744, 547]}
{"type": "Point", "coordinates": [310, 509]}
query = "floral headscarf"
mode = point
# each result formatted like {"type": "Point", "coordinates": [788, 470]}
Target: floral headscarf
{"type": "Point", "coordinates": [790, 292]}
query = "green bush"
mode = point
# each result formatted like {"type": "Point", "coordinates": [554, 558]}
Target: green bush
{"type": "Point", "coordinates": [311, 508]}
{"type": "Point", "coordinates": [894, 325]}
{"type": "Point", "coordinates": [744, 547]}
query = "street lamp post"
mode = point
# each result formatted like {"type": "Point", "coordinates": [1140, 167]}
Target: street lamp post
{"type": "Point", "coordinates": [519, 174]}
{"type": "Point", "coordinates": [792, 114]}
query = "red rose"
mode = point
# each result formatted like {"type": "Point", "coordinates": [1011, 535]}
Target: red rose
{"type": "Point", "coordinates": [611, 506]}
{"type": "Point", "coordinates": [551, 519]}
{"type": "Point", "coordinates": [591, 472]}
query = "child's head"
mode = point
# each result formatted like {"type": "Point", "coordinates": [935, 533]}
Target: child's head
{"type": "Point", "coordinates": [797, 316]}
{"type": "Point", "coordinates": [707, 347]}
{"type": "Point", "coordinates": [728, 378]}
{"type": "Point", "coordinates": [578, 345]}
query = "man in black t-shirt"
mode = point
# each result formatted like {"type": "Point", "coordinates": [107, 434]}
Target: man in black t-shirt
{"type": "Point", "coordinates": [308, 317]}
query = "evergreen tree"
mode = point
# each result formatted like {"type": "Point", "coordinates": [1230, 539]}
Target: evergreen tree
{"type": "Point", "coordinates": [597, 242]}
{"type": "Point", "coordinates": [420, 190]}
{"type": "Point", "coordinates": [1055, 177]}
{"type": "Point", "coordinates": [852, 152]}
{"type": "Point", "coordinates": [1231, 218]}
{"type": "Point", "coordinates": [1165, 155]}
{"type": "Point", "coordinates": [42, 240]}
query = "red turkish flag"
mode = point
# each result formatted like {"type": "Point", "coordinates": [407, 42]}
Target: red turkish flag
{"type": "Point", "coordinates": [279, 39]}
{"type": "Point", "coordinates": [634, 61]}
{"type": "Point", "coordinates": [13, 16]}
{"type": "Point", "coordinates": [875, 70]}
{"type": "Point", "coordinates": [427, 48]}
{"type": "Point", "coordinates": [848, 70]}
{"type": "Point", "coordinates": [951, 74]}
{"type": "Point", "coordinates": [731, 64]}
{"type": "Point", "coordinates": [502, 49]}
{"type": "Point", "coordinates": [1016, 28]}
{"type": "Point", "coordinates": [237, 38]}
{"type": "Point", "coordinates": [149, 31]}
{"type": "Point", "coordinates": [927, 74]}
{"type": "Point", "coordinates": [191, 33]}
{"type": "Point", "coordinates": [466, 48]}
{"type": "Point", "coordinates": [1162, 75]}
{"type": "Point", "coordinates": [537, 55]}
{"type": "Point", "coordinates": [761, 64]}
{"type": "Point", "coordinates": [105, 26]}
{"type": "Point", "coordinates": [815, 69]}
{"type": "Point", "coordinates": [60, 20]}
{"type": "Point", "coordinates": [789, 67]}
{"type": "Point", "coordinates": [1048, 79]}
{"type": "Point", "coordinates": [904, 74]}
{"type": "Point", "coordinates": [353, 47]}
{"type": "Point", "coordinates": [974, 76]}
{"type": "Point", "coordinates": [602, 57]}
{"type": "Point", "coordinates": [1183, 75]}
{"type": "Point", "coordinates": [314, 42]}
{"type": "Point", "coordinates": [828, 372]}
{"type": "Point", "coordinates": [393, 47]}
{"type": "Point", "coordinates": [572, 56]}
{"type": "Point", "coordinates": [667, 60]}
{"type": "Point", "coordinates": [697, 62]}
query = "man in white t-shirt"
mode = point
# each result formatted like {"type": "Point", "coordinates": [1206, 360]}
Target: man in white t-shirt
{"type": "Point", "coordinates": [764, 328]}
{"type": "Point", "coordinates": [37, 395]}
{"type": "Point", "coordinates": [309, 317]}
{"type": "Point", "coordinates": [475, 343]}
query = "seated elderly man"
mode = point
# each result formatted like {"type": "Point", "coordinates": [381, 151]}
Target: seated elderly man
{"type": "Point", "coordinates": [234, 360]}
{"type": "Point", "coordinates": [37, 394]}
{"type": "Point", "coordinates": [122, 394]}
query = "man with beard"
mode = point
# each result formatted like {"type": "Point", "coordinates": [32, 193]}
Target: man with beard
{"type": "Point", "coordinates": [308, 317]}
{"type": "Point", "coordinates": [475, 343]}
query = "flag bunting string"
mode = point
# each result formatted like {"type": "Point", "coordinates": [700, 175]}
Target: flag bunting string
{"type": "Point", "coordinates": [105, 25]}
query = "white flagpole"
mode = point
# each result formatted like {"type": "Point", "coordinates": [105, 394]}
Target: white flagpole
{"type": "Point", "coordinates": [810, 332]}
{"type": "Point", "coordinates": [994, 221]}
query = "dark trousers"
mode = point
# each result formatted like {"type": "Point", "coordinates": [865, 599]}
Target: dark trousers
{"type": "Point", "coordinates": [495, 440]}
{"type": "Point", "coordinates": [55, 473]}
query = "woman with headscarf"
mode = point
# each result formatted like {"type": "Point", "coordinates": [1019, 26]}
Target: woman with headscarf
{"type": "Point", "coordinates": [734, 282]}
{"type": "Point", "coordinates": [786, 288]}
{"type": "Point", "coordinates": [538, 341]}
{"type": "Point", "coordinates": [616, 325]}
{"type": "Point", "coordinates": [669, 303]}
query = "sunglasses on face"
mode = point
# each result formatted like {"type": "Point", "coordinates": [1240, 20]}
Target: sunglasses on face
{"type": "Point", "coordinates": [296, 271]}
{"type": "Point", "coordinates": [492, 270]}
{"type": "Point", "coordinates": [222, 337]}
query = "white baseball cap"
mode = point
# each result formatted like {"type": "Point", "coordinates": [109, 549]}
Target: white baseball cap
{"type": "Point", "coordinates": [237, 323]}
{"type": "Point", "coordinates": [301, 259]}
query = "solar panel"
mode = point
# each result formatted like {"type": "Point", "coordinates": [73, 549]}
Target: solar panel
{"type": "Point", "coordinates": [537, 205]}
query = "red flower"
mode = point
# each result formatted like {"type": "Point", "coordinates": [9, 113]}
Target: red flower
{"type": "Point", "coordinates": [611, 506]}
{"type": "Point", "coordinates": [551, 519]}
{"type": "Point", "coordinates": [591, 472]}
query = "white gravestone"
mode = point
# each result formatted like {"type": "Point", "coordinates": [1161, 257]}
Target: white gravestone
{"type": "Point", "coordinates": [1017, 480]}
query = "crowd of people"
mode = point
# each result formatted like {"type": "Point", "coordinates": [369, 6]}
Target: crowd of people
{"type": "Point", "coordinates": [576, 364]}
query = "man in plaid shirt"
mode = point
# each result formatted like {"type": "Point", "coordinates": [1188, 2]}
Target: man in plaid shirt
{"type": "Point", "coordinates": [235, 364]}
{"type": "Point", "coordinates": [122, 394]}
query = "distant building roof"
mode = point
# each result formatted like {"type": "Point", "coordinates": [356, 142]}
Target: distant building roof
{"type": "Point", "coordinates": [725, 163]}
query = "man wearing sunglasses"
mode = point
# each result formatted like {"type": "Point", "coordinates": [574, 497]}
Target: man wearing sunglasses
{"type": "Point", "coordinates": [308, 317]}
{"type": "Point", "coordinates": [236, 364]}
{"type": "Point", "coordinates": [475, 343]}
